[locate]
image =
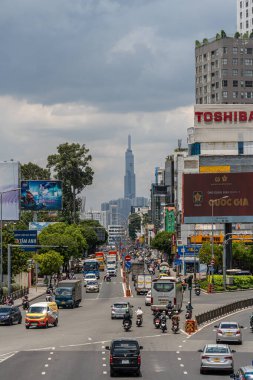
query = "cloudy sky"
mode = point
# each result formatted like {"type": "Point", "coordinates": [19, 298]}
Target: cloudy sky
{"type": "Point", "coordinates": [94, 71]}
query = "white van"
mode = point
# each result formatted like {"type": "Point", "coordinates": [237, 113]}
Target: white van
{"type": "Point", "coordinates": [166, 289]}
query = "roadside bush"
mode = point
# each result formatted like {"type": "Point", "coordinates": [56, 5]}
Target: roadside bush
{"type": "Point", "coordinates": [204, 284]}
{"type": "Point", "coordinates": [244, 286]}
{"type": "Point", "coordinates": [218, 288]}
{"type": "Point", "coordinates": [218, 280]}
{"type": "Point", "coordinates": [231, 287]}
{"type": "Point", "coordinates": [15, 287]}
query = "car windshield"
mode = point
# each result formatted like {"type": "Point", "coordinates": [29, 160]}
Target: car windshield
{"type": "Point", "coordinates": [228, 326]}
{"type": "Point", "coordinates": [38, 309]}
{"type": "Point", "coordinates": [63, 291]}
{"type": "Point", "coordinates": [5, 310]}
{"type": "Point", "coordinates": [92, 283]}
{"type": "Point", "coordinates": [125, 346]}
{"type": "Point", "coordinates": [120, 305]}
{"type": "Point", "coordinates": [164, 286]}
{"type": "Point", "coordinates": [90, 276]}
{"type": "Point", "coordinates": [217, 350]}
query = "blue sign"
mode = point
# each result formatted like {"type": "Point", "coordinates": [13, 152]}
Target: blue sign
{"type": "Point", "coordinates": [128, 264]}
{"type": "Point", "coordinates": [178, 262]}
{"type": "Point", "coordinates": [26, 237]}
{"type": "Point", "coordinates": [188, 250]}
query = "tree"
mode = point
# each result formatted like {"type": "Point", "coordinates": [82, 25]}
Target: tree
{"type": "Point", "coordinates": [96, 226]}
{"type": "Point", "coordinates": [34, 172]}
{"type": "Point", "coordinates": [218, 36]}
{"type": "Point", "coordinates": [205, 41]}
{"type": "Point", "coordinates": [68, 239]}
{"type": "Point", "coordinates": [205, 254]}
{"type": "Point", "coordinates": [49, 262]}
{"type": "Point", "coordinates": [197, 44]}
{"type": "Point", "coordinates": [71, 166]}
{"type": "Point", "coordinates": [162, 241]}
{"type": "Point", "coordinates": [90, 236]}
{"type": "Point", "coordinates": [223, 34]}
{"type": "Point", "coordinates": [237, 35]}
{"type": "Point", "coordinates": [134, 225]}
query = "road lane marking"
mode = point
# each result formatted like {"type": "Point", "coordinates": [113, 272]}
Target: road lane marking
{"type": "Point", "coordinates": [179, 358]}
{"type": "Point", "coordinates": [181, 365]}
{"type": "Point", "coordinates": [43, 373]}
{"type": "Point", "coordinates": [7, 356]}
{"type": "Point", "coordinates": [103, 352]}
{"type": "Point", "coordinates": [49, 358]}
{"type": "Point", "coordinates": [46, 365]}
{"type": "Point", "coordinates": [104, 372]}
{"type": "Point", "coordinates": [185, 372]}
{"type": "Point", "coordinates": [178, 352]}
{"type": "Point", "coordinates": [89, 338]}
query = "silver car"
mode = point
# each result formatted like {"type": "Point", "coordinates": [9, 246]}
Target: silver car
{"type": "Point", "coordinates": [118, 309]}
{"type": "Point", "coordinates": [229, 332]}
{"type": "Point", "coordinates": [216, 357]}
{"type": "Point", "coordinates": [92, 287]}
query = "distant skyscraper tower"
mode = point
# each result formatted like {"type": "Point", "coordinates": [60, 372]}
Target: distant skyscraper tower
{"type": "Point", "coordinates": [129, 179]}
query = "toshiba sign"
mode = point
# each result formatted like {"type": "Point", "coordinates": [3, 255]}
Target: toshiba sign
{"type": "Point", "coordinates": [223, 115]}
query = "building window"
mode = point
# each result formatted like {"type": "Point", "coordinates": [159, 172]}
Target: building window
{"type": "Point", "coordinates": [248, 62]}
{"type": "Point", "coordinates": [248, 73]}
{"type": "Point", "coordinates": [224, 72]}
{"type": "Point", "coordinates": [224, 83]}
{"type": "Point", "coordinates": [225, 50]}
{"type": "Point", "coordinates": [234, 72]}
{"type": "Point", "coordinates": [224, 94]}
{"type": "Point", "coordinates": [242, 83]}
{"type": "Point", "coordinates": [235, 61]}
{"type": "Point", "coordinates": [217, 85]}
{"type": "Point", "coordinates": [248, 83]}
{"type": "Point", "coordinates": [249, 50]}
{"type": "Point", "coordinates": [247, 3]}
{"type": "Point", "coordinates": [235, 50]}
{"type": "Point", "coordinates": [224, 61]}
{"type": "Point", "coordinates": [235, 94]}
{"type": "Point", "coordinates": [247, 13]}
{"type": "Point", "coordinates": [235, 83]}
{"type": "Point", "coordinates": [242, 95]}
{"type": "Point", "coordinates": [240, 25]}
{"type": "Point", "coordinates": [240, 147]}
{"type": "Point", "coordinates": [248, 95]}
{"type": "Point", "coordinates": [247, 24]}
{"type": "Point", "coordinates": [240, 4]}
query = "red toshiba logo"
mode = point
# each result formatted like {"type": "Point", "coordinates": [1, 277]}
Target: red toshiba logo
{"type": "Point", "coordinates": [217, 117]}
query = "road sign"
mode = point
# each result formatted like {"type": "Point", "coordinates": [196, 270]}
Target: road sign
{"type": "Point", "coordinates": [127, 258]}
{"type": "Point", "coordinates": [128, 264]}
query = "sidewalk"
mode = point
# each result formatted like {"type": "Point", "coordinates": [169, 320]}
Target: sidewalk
{"type": "Point", "coordinates": [33, 294]}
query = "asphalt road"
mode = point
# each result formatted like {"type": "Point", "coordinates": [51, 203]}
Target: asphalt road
{"type": "Point", "coordinates": [76, 348]}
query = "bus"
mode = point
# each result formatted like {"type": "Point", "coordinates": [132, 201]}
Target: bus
{"type": "Point", "coordinates": [166, 289]}
{"type": "Point", "coordinates": [91, 266]}
{"type": "Point", "coordinates": [101, 259]}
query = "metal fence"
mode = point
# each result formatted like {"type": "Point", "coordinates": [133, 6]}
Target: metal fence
{"type": "Point", "coordinates": [223, 310]}
{"type": "Point", "coordinates": [17, 294]}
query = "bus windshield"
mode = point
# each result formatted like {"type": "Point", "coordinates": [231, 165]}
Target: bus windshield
{"type": "Point", "coordinates": [90, 265]}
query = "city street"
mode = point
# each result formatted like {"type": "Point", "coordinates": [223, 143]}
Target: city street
{"type": "Point", "coordinates": [76, 348]}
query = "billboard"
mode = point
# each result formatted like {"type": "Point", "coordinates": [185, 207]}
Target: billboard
{"type": "Point", "coordinates": [41, 195]}
{"type": "Point", "coordinates": [9, 198]}
{"type": "Point", "coordinates": [218, 198]}
{"type": "Point", "coordinates": [38, 226]}
{"type": "Point", "coordinates": [27, 238]}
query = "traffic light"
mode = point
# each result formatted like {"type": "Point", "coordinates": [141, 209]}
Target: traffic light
{"type": "Point", "coordinates": [190, 282]}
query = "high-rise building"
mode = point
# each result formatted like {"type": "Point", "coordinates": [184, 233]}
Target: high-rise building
{"type": "Point", "coordinates": [245, 16]}
{"type": "Point", "coordinates": [224, 71]}
{"type": "Point", "coordinates": [129, 179]}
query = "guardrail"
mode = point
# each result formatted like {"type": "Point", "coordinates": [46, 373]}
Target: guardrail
{"type": "Point", "coordinates": [17, 294]}
{"type": "Point", "coordinates": [223, 310]}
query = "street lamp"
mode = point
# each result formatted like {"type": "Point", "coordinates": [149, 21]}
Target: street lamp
{"type": "Point", "coordinates": [1, 230]}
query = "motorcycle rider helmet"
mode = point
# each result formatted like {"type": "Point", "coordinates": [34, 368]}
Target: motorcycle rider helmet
{"type": "Point", "coordinates": [176, 312]}
{"type": "Point", "coordinates": [163, 313]}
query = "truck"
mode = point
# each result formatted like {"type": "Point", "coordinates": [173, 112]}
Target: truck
{"type": "Point", "coordinates": [137, 268]}
{"type": "Point", "coordinates": [99, 256]}
{"type": "Point", "coordinates": [143, 283]}
{"type": "Point", "coordinates": [68, 293]}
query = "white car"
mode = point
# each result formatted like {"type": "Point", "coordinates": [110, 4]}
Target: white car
{"type": "Point", "coordinates": [148, 298]}
{"type": "Point", "coordinates": [216, 357]}
{"type": "Point", "coordinates": [92, 287]}
{"type": "Point", "coordinates": [89, 277]}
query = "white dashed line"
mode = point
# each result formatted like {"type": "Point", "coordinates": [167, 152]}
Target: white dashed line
{"type": "Point", "coordinates": [103, 352]}
{"type": "Point", "coordinates": [179, 358]}
{"type": "Point", "coordinates": [89, 338]}
{"type": "Point", "coordinates": [178, 352]}
{"type": "Point", "coordinates": [49, 358]}
{"type": "Point", "coordinates": [185, 372]}
{"type": "Point", "coordinates": [181, 365]}
{"type": "Point", "coordinates": [46, 365]}
{"type": "Point", "coordinates": [104, 365]}
{"type": "Point", "coordinates": [104, 372]}
{"type": "Point", "coordinates": [51, 353]}
{"type": "Point", "coordinates": [43, 373]}
{"type": "Point", "coordinates": [103, 358]}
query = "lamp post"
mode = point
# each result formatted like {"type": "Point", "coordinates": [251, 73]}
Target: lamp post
{"type": "Point", "coordinates": [1, 230]}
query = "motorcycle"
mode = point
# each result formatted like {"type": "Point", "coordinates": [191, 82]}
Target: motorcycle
{"type": "Point", "coordinates": [127, 325]}
{"type": "Point", "coordinates": [163, 326]}
{"type": "Point", "coordinates": [175, 327]}
{"type": "Point", "coordinates": [170, 313]}
{"type": "Point", "coordinates": [188, 314]}
{"type": "Point", "coordinates": [139, 321]}
{"type": "Point", "coordinates": [108, 279]}
{"type": "Point", "coordinates": [157, 322]}
{"type": "Point", "coordinates": [25, 304]}
{"type": "Point", "coordinates": [197, 291]}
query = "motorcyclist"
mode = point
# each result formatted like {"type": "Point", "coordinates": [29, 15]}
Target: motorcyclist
{"type": "Point", "coordinates": [156, 316]}
{"type": "Point", "coordinates": [251, 320]}
{"type": "Point", "coordinates": [127, 318]}
{"type": "Point", "coordinates": [9, 301]}
{"type": "Point", "coordinates": [107, 277]}
{"type": "Point", "coordinates": [139, 313]}
{"type": "Point", "coordinates": [189, 307]}
{"type": "Point", "coordinates": [163, 318]}
{"type": "Point", "coordinates": [175, 319]}
{"type": "Point", "coordinates": [169, 307]}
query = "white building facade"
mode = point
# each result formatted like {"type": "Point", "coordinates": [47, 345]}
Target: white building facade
{"type": "Point", "coordinates": [245, 16]}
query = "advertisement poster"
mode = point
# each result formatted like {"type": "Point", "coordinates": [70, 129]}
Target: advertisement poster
{"type": "Point", "coordinates": [9, 189]}
{"type": "Point", "coordinates": [220, 197]}
{"type": "Point", "coordinates": [41, 195]}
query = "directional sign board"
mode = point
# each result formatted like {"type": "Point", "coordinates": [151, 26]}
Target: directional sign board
{"type": "Point", "coordinates": [128, 264]}
{"type": "Point", "coordinates": [127, 258]}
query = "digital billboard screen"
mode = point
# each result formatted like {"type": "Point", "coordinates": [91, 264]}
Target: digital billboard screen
{"type": "Point", "coordinates": [218, 198]}
{"type": "Point", "coordinates": [41, 195]}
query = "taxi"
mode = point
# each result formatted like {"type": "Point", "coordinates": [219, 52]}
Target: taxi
{"type": "Point", "coordinates": [42, 314]}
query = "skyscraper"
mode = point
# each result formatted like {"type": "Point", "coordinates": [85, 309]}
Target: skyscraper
{"type": "Point", "coordinates": [129, 179]}
{"type": "Point", "coordinates": [244, 16]}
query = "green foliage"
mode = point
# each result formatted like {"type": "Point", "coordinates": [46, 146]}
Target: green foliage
{"type": "Point", "coordinates": [49, 262]}
{"type": "Point", "coordinates": [237, 35]}
{"type": "Point", "coordinates": [71, 165]}
{"type": "Point", "coordinates": [32, 171]}
{"type": "Point", "coordinates": [162, 242]}
{"type": "Point", "coordinates": [223, 34]}
{"type": "Point", "coordinates": [205, 41]}
{"type": "Point", "coordinates": [231, 287]}
{"type": "Point", "coordinates": [134, 225]}
{"type": "Point", "coordinates": [89, 223]}
{"type": "Point", "coordinates": [197, 44]}
{"type": "Point", "coordinates": [218, 36]}
{"type": "Point", "coordinates": [69, 239]}
{"type": "Point", "coordinates": [205, 254]}
{"type": "Point", "coordinates": [245, 36]}
{"type": "Point", "coordinates": [251, 35]}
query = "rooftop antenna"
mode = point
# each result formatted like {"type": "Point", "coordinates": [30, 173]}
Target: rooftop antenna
{"type": "Point", "coordinates": [129, 142]}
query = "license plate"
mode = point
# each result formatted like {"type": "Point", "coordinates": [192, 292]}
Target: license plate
{"type": "Point", "coordinates": [63, 302]}
{"type": "Point", "coordinates": [216, 360]}
{"type": "Point", "coordinates": [33, 324]}
{"type": "Point", "coordinates": [229, 334]}
{"type": "Point", "coordinates": [125, 361]}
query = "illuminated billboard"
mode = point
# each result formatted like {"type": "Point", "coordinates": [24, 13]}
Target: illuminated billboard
{"type": "Point", "coordinates": [41, 195]}
{"type": "Point", "coordinates": [9, 190]}
{"type": "Point", "coordinates": [218, 198]}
